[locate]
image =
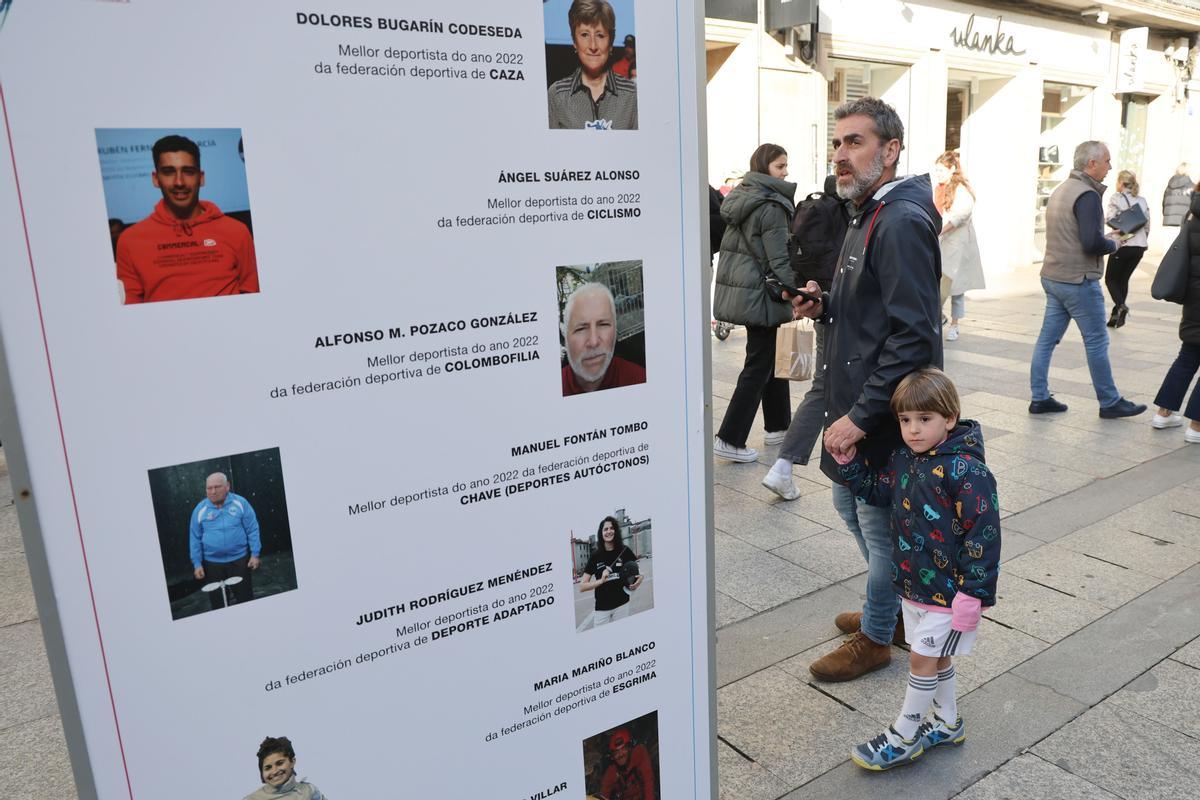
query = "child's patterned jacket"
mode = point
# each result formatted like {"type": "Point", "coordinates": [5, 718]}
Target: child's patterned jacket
{"type": "Point", "coordinates": [945, 519]}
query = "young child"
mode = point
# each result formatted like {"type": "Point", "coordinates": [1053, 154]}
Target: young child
{"type": "Point", "coordinates": [945, 556]}
{"type": "Point", "coordinates": [277, 768]}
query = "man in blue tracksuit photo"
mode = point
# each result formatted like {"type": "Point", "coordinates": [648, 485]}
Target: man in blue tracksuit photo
{"type": "Point", "coordinates": [224, 540]}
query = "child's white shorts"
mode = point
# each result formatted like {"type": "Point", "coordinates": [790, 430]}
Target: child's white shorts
{"type": "Point", "coordinates": [929, 634]}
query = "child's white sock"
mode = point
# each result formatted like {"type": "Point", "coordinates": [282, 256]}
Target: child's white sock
{"type": "Point", "coordinates": [917, 700]}
{"type": "Point", "coordinates": [945, 701]}
{"type": "Point", "coordinates": [783, 466]}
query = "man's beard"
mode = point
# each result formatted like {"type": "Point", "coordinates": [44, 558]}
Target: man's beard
{"type": "Point", "coordinates": [578, 368]}
{"type": "Point", "coordinates": [862, 182]}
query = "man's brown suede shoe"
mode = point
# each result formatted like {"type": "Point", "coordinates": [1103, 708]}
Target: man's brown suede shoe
{"type": "Point", "coordinates": [851, 622]}
{"type": "Point", "coordinates": [857, 656]}
{"type": "Point", "coordinates": [848, 621]}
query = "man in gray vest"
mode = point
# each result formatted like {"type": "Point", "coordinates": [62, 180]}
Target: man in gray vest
{"type": "Point", "coordinates": [1074, 262]}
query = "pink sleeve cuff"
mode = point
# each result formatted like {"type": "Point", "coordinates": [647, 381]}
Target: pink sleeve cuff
{"type": "Point", "coordinates": [966, 612]}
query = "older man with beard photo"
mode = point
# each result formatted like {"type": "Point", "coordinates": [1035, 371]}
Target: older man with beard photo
{"type": "Point", "coordinates": [589, 330]}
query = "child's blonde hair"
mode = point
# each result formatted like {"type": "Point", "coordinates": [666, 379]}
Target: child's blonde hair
{"type": "Point", "coordinates": [927, 389]}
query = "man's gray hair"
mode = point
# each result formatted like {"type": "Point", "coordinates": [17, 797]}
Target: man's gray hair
{"type": "Point", "coordinates": [1088, 151]}
{"type": "Point", "coordinates": [593, 287]}
{"type": "Point", "coordinates": [220, 475]}
{"type": "Point", "coordinates": [887, 122]}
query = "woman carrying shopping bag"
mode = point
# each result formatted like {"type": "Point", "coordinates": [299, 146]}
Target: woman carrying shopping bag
{"type": "Point", "coordinates": [758, 215]}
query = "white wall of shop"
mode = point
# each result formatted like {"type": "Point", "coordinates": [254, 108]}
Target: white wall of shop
{"type": "Point", "coordinates": [998, 135]}
{"type": "Point", "coordinates": [757, 93]}
{"type": "Point", "coordinates": [732, 95]}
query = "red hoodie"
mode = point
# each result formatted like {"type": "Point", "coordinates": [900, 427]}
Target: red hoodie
{"type": "Point", "coordinates": [165, 258]}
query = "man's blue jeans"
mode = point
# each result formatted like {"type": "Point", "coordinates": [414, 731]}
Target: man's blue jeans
{"type": "Point", "coordinates": [871, 527]}
{"type": "Point", "coordinates": [1084, 303]}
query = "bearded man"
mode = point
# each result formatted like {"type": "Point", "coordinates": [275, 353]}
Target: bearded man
{"type": "Point", "coordinates": [589, 329]}
{"type": "Point", "coordinates": [883, 321]}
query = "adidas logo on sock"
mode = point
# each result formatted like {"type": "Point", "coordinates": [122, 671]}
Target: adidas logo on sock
{"type": "Point", "coordinates": [927, 641]}
{"type": "Point", "coordinates": [913, 717]}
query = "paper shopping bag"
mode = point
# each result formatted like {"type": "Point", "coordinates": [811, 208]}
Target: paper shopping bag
{"type": "Point", "coordinates": [794, 358]}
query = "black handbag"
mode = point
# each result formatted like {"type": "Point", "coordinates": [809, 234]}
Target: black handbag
{"type": "Point", "coordinates": [1130, 220]}
{"type": "Point", "coordinates": [1171, 279]}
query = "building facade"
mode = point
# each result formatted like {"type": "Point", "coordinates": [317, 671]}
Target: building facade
{"type": "Point", "coordinates": [1014, 87]}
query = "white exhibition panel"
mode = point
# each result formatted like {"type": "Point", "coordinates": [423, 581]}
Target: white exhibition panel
{"type": "Point", "coordinates": [348, 176]}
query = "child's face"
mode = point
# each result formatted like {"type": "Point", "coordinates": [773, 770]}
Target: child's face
{"type": "Point", "coordinates": [924, 430]}
{"type": "Point", "coordinates": [277, 769]}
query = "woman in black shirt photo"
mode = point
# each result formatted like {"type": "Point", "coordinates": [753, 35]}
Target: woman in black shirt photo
{"type": "Point", "coordinates": [604, 574]}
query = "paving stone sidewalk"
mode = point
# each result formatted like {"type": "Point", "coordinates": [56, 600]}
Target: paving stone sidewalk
{"type": "Point", "coordinates": [1085, 681]}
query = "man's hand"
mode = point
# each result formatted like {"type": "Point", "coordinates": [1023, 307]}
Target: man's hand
{"type": "Point", "coordinates": [841, 436]}
{"type": "Point", "coordinates": [199, 573]}
{"type": "Point", "coordinates": [806, 308]}
{"type": "Point", "coordinates": [253, 562]}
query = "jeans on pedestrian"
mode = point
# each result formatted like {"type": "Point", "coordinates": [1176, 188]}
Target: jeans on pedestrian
{"type": "Point", "coordinates": [809, 418]}
{"type": "Point", "coordinates": [871, 527]}
{"type": "Point", "coordinates": [1178, 378]}
{"type": "Point", "coordinates": [1084, 303]}
{"type": "Point", "coordinates": [958, 306]}
{"type": "Point", "coordinates": [757, 384]}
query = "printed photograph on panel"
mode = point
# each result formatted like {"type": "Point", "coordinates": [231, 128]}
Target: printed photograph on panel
{"type": "Point", "coordinates": [611, 568]}
{"type": "Point", "coordinates": [602, 326]}
{"type": "Point", "coordinates": [591, 64]}
{"type": "Point", "coordinates": [277, 770]}
{"type": "Point", "coordinates": [223, 531]}
{"type": "Point", "coordinates": [178, 213]}
{"type": "Point", "coordinates": [622, 762]}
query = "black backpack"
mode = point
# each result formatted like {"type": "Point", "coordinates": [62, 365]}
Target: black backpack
{"type": "Point", "coordinates": [716, 225]}
{"type": "Point", "coordinates": [817, 232]}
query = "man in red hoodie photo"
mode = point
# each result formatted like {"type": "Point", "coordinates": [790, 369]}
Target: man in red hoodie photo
{"type": "Point", "coordinates": [186, 248]}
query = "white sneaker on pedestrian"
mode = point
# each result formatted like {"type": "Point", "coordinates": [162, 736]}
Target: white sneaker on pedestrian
{"type": "Point", "coordinates": [951, 333]}
{"type": "Point", "coordinates": [1172, 421]}
{"type": "Point", "coordinates": [1191, 436]}
{"type": "Point", "coordinates": [725, 450]}
{"type": "Point", "coordinates": [772, 438]}
{"type": "Point", "coordinates": [782, 485]}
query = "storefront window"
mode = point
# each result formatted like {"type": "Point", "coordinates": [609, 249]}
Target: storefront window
{"type": "Point", "coordinates": [737, 10]}
{"type": "Point", "coordinates": [1066, 121]}
{"type": "Point", "coordinates": [957, 108]}
{"type": "Point", "coordinates": [856, 79]}
{"type": "Point", "coordinates": [1134, 110]}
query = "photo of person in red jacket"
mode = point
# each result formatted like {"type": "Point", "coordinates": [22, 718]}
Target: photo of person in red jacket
{"type": "Point", "coordinates": [621, 763]}
{"type": "Point", "coordinates": [187, 248]}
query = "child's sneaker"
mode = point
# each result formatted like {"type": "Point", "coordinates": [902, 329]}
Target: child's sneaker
{"type": "Point", "coordinates": [888, 749]}
{"type": "Point", "coordinates": [934, 731]}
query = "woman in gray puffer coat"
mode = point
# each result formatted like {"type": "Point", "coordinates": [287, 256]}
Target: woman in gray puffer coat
{"type": "Point", "coordinates": [1187, 363]}
{"type": "Point", "coordinates": [1177, 196]}
{"type": "Point", "coordinates": [758, 214]}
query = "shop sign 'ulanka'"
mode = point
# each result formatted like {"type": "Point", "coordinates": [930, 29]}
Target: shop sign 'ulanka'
{"type": "Point", "coordinates": [991, 43]}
